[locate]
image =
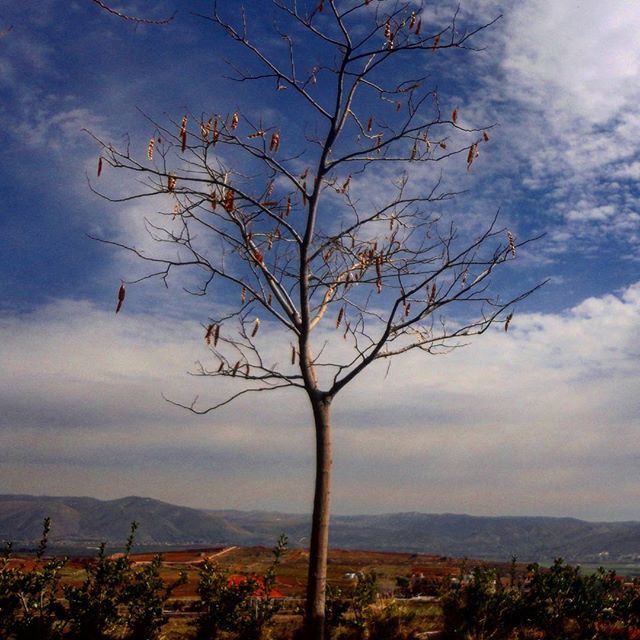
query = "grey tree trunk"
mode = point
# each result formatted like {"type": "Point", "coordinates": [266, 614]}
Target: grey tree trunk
{"type": "Point", "coordinates": [319, 544]}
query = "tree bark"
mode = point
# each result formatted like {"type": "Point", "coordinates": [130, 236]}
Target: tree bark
{"type": "Point", "coordinates": [319, 544]}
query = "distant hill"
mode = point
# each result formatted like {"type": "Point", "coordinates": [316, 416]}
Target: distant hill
{"type": "Point", "coordinates": [75, 520]}
{"type": "Point", "coordinates": [85, 521]}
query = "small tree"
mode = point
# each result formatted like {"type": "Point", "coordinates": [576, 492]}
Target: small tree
{"type": "Point", "coordinates": [246, 606]}
{"type": "Point", "coordinates": [29, 605]}
{"type": "Point", "coordinates": [332, 229]}
{"type": "Point", "coordinates": [144, 596]}
{"type": "Point", "coordinates": [93, 607]}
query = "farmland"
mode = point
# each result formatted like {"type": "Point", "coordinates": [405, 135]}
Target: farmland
{"type": "Point", "coordinates": [417, 595]}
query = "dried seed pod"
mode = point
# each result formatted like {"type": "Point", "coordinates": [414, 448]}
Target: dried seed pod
{"type": "Point", "coordinates": [512, 243]}
{"type": "Point", "coordinates": [235, 120]}
{"type": "Point", "coordinates": [269, 299]}
{"type": "Point", "coordinates": [236, 366]}
{"type": "Point", "coordinates": [412, 19]}
{"type": "Point", "coordinates": [419, 26]}
{"type": "Point", "coordinates": [183, 125]}
{"type": "Point", "coordinates": [269, 241]}
{"type": "Point", "coordinates": [256, 327]}
{"type": "Point", "coordinates": [346, 330]}
{"type": "Point", "coordinates": [243, 294]}
{"type": "Point", "coordinates": [472, 155]}
{"type": "Point", "coordinates": [150, 149]}
{"type": "Point", "coordinates": [208, 336]}
{"type": "Point", "coordinates": [407, 309]}
{"type": "Point", "coordinates": [183, 137]}
{"type": "Point", "coordinates": [229, 200]}
{"type": "Point", "coordinates": [340, 316]}
{"type": "Point", "coordinates": [370, 123]}
{"type": "Point", "coordinates": [214, 200]}
{"type": "Point", "coordinates": [442, 144]}
{"type": "Point", "coordinates": [99, 166]}
{"type": "Point", "coordinates": [258, 257]}
{"type": "Point", "coordinates": [215, 134]}
{"type": "Point", "coordinates": [436, 42]}
{"type": "Point", "coordinates": [507, 322]}
{"type": "Point", "coordinates": [398, 105]}
{"type": "Point", "coordinates": [293, 354]}
{"type": "Point", "coordinates": [414, 151]}
{"type": "Point", "coordinates": [270, 186]}
{"type": "Point", "coordinates": [485, 136]}
{"type": "Point", "coordinates": [387, 29]}
{"type": "Point", "coordinates": [287, 211]}
{"type": "Point", "coordinates": [454, 116]}
{"type": "Point", "coordinates": [121, 294]}
{"type": "Point", "coordinates": [432, 294]}
{"type": "Point", "coordinates": [216, 335]}
{"type": "Point", "coordinates": [205, 128]}
{"type": "Point", "coordinates": [275, 142]}
{"type": "Point", "coordinates": [320, 7]}
{"type": "Point", "coordinates": [345, 186]}
{"type": "Point", "coordinates": [171, 182]}
{"type": "Point", "coordinates": [176, 210]}
{"type": "Point", "coordinates": [256, 134]}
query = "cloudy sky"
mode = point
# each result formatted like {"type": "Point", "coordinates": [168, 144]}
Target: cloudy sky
{"type": "Point", "coordinates": [541, 420]}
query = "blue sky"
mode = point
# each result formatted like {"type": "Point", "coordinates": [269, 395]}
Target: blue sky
{"type": "Point", "coordinates": [542, 420]}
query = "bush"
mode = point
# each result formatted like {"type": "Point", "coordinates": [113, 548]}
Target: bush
{"type": "Point", "coordinates": [481, 609]}
{"type": "Point", "coordinates": [244, 607]}
{"type": "Point", "coordinates": [29, 608]}
{"type": "Point", "coordinates": [144, 597]}
{"type": "Point", "coordinates": [387, 620]}
{"type": "Point", "coordinates": [93, 607]}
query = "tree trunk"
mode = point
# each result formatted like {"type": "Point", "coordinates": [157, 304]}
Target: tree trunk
{"type": "Point", "coordinates": [319, 544]}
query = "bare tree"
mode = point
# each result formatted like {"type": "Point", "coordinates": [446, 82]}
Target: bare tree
{"type": "Point", "coordinates": [294, 242]}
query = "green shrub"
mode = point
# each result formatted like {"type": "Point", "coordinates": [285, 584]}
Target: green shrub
{"type": "Point", "coordinates": [29, 607]}
{"type": "Point", "coordinates": [93, 608]}
{"type": "Point", "coordinates": [482, 608]}
{"type": "Point", "coordinates": [244, 607]}
{"type": "Point", "coordinates": [143, 596]}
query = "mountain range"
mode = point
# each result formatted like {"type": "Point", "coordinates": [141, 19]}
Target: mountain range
{"type": "Point", "coordinates": [80, 523]}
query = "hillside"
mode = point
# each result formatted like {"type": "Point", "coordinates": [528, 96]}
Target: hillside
{"type": "Point", "coordinates": [85, 521]}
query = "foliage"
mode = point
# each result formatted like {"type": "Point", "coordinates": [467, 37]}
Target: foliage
{"type": "Point", "coordinates": [93, 606]}
{"type": "Point", "coordinates": [387, 620]}
{"type": "Point", "coordinates": [562, 602]}
{"type": "Point", "coordinates": [349, 607]}
{"type": "Point", "coordinates": [556, 603]}
{"type": "Point", "coordinates": [29, 607]}
{"type": "Point", "coordinates": [119, 599]}
{"type": "Point", "coordinates": [482, 608]}
{"type": "Point", "coordinates": [144, 596]}
{"type": "Point", "coordinates": [245, 606]}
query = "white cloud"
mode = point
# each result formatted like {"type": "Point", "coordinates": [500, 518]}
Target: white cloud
{"type": "Point", "coordinates": [540, 420]}
{"type": "Point", "coordinates": [586, 213]}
